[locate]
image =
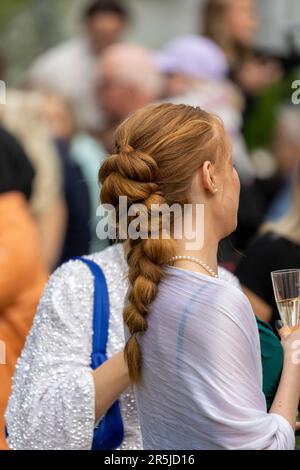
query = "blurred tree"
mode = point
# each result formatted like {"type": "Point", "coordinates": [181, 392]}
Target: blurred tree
{"type": "Point", "coordinates": [28, 27]}
{"type": "Point", "coordinates": [9, 9]}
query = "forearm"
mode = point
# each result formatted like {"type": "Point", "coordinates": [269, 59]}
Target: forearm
{"type": "Point", "coordinates": [287, 397]}
{"type": "Point", "coordinates": [111, 379]}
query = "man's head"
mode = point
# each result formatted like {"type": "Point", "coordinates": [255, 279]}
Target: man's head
{"type": "Point", "coordinates": [128, 80]}
{"type": "Point", "coordinates": [105, 21]}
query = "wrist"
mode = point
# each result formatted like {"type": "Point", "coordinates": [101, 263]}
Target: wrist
{"type": "Point", "coordinates": [292, 364]}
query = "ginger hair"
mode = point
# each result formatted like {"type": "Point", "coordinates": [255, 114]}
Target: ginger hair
{"type": "Point", "coordinates": [158, 151]}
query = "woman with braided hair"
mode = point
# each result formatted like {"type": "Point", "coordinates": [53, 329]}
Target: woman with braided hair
{"type": "Point", "coordinates": [193, 344]}
{"type": "Point", "coordinates": [62, 390]}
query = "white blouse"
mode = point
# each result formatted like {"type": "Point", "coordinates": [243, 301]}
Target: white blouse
{"type": "Point", "coordinates": [202, 373]}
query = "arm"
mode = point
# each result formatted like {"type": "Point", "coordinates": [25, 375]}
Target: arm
{"type": "Point", "coordinates": [286, 401]}
{"type": "Point", "coordinates": [111, 379]}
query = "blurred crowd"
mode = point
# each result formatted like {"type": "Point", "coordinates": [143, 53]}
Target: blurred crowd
{"type": "Point", "coordinates": [58, 127]}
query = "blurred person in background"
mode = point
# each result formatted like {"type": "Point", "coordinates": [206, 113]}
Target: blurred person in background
{"type": "Point", "coordinates": [81, 157]}
{"type": "Point", "coordinates": [286, 151]}
{"type": "Point", "coordinates": [128, 80]}
{"type": "Point", "coordinates": [22, 116]}
{"type": "Point", "coordinates": [196, 69]}
{"type": "Point", "coordinates": [22, 271]}
{"type": "Point", "coordinates": [276, 247]}
{"type": "Point", "coordinates": [233, 25]}
{"type": "Point", "coordinates": [196, 72]}
{"type": "Point", "coordinates": [69, 68]}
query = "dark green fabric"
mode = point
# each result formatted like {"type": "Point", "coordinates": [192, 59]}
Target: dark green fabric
{"type": "Point", "coordinates": [272, 360]}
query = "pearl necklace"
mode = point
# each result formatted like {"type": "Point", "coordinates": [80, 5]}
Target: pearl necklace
{"type": "Point", "coordinates": [195, 260]}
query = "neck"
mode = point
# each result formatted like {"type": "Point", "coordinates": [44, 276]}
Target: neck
{"type": "Point", "coordinates": [206, 256]}
{"type": "Point", "coordinates": [207, 253]}
{"type": "Point", "coordinates": [199, 238]}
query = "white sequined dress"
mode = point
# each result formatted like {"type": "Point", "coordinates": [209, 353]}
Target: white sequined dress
{"type": "Point", "coordinates": [53, 401]}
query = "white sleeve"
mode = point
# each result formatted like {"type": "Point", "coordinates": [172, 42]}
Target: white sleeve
{"type": "Point", "coordinates": [53, 400]}
{"type": "Point", "coordinates": [229, 385]}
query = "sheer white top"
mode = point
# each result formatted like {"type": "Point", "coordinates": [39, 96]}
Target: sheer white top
{"type": "Point", "coordinates": [202, 374]}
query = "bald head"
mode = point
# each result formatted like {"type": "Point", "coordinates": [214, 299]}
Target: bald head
{"type": "Point", "coordinates": [128, 80]}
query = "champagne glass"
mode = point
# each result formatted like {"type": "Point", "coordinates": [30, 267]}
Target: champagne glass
{"type": "Point", "coordinates": [286, 285]}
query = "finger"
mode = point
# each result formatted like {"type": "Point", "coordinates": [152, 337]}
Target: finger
{"type": "Point", "coordinates": [283, 330]}
{"type": "Point", "coordinates": [279, 324]}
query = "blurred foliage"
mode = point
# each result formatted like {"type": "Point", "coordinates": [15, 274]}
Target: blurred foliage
{"type": "Point", "coordinates": [261, 119]}
{"type": "Point", "coordinates": [27, 28]}
{"type": "Point", "coordinates": [9, 8]}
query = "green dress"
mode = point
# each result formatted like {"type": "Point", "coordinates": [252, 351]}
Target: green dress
{"type": "Point", "coordinates": [272, 360]}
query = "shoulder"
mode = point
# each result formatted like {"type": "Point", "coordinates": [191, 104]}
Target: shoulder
{"type": "Point", "coordinates": [231, 296]}
{"type": "Point", "coordinates": [74, 277]}
{"type": "Point", "coordinates": [225, 313]}
{"type": "Point", "coordinates": [112, 258]}
{"type": "Point", "coordinates": [226, 275]}
{"type": "Point", "coordinates": [72, 284]}
{"type": "Point", "coordinates": [68, 298]}
{"type": "Point", "coordinates": [68, 294]}
{"type": "Point", "coordinates": [235, 309]}
{"type": "Point", "coordinates": [223, 302]}
{"type": "Point", "coordinates": [76, 268]}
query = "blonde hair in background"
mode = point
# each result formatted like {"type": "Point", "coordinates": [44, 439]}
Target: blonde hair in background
{"type": "Point", "coordinates": [22, 117]}
{"type": "Point", "coordinates": [159, 149]}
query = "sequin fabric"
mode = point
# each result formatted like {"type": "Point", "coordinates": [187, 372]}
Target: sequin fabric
{"type": "Point", "coordinates": [52, 403]}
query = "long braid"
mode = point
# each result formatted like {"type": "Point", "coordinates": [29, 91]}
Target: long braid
{"type": "Point", "coordinates": [127, 174]}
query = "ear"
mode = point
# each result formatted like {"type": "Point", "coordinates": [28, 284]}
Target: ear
{"type": "Point", "coordinates": [208, 179]}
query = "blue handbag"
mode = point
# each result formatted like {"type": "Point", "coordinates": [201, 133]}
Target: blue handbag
{"type": "Point", "coordinates": [109, 433]}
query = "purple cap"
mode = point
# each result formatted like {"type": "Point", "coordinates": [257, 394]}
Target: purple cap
{"type": "Point", "coordinates": [195, 56]}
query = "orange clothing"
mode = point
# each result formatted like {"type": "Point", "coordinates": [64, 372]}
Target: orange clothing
{"type": "Point", "coordinates": [22, 279]}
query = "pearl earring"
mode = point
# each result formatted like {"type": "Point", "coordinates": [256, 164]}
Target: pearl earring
{"type": "Point", "coordinates": [216, 190]}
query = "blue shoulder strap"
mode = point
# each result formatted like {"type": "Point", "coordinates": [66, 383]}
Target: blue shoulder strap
{"type": "Point", "coordinates": [109, 433]}
{"type": "Point", "coordinates": [101, 314]}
